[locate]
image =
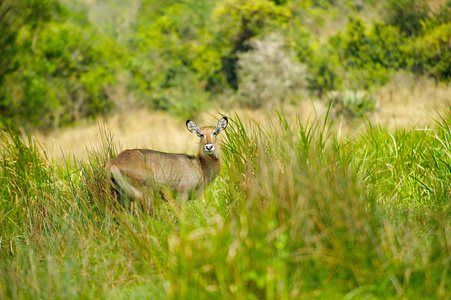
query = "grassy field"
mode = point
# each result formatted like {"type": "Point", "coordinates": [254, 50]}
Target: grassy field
{"type": "Point", "coordinates": [298, 211]}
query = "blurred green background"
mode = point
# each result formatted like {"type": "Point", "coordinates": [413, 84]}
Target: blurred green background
{"type": "Point", "coordinates": [63, 61]}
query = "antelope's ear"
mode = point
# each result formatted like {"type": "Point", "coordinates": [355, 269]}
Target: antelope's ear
{"type": "Point", "coordinates": [191, 126]}
{"type": "Point", "coordinates": [222, 124]}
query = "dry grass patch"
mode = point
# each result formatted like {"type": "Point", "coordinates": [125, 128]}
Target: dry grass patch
{"type": "Point", "coordinates": [410, 101]}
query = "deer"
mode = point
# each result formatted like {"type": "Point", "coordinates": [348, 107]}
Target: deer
{"type": "Point", "coordinates": [136, 173]}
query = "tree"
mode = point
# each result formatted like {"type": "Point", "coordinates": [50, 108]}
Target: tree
{"type": "Point", "coordinates": [14, 15]}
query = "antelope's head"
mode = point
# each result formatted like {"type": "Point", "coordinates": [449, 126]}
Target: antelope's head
{"type": "Point", "coordinates": [208, 134]}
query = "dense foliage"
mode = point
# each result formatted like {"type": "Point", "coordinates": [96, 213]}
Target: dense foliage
{"type": "Point", "coordinates": [64, 60]}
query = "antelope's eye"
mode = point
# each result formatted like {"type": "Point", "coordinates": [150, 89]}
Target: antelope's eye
{"type": "Point", "coordinates": [202, 135]}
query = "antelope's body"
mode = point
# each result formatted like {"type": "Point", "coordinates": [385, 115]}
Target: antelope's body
{"type": "Point", "coordinates": [134, 173]}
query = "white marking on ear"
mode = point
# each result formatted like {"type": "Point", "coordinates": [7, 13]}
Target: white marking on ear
{"type": "Point", "coordinates": [222, 124]}
{"type": "Point", "coordinates": [191, 126]}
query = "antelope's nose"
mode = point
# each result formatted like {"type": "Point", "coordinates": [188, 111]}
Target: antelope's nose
{"type": "Point", "coordinates": [209, 148]}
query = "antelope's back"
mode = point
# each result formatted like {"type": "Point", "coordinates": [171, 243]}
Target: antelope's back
{"type": "Point", "coordinates": [180, 172]}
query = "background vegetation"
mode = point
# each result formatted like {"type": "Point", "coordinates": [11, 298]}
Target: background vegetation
{"type": "Point", "coordinates": [63, 61]}
{"type": "Point", "coordinates": [300, 210]}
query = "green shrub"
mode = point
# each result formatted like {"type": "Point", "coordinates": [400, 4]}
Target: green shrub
{"type": "Point", "coordinates": [186, 98]}
{"type": "Point", "coordinates": [352, 103]}
{"type": "Point", "coordinates": [431, 53]}
{"type": "Point", "coordinates": [368, 56]}
{"type": "Point", "coordinates": [323, 71]}
{"type": "Point", "coordinates": [171, 69]}
{"type": "Point", "coordinates": [444, 14]}
{"type": "Point", "coordinates": [407, 15]}
{"type": "Point", "coordinates": [62, 76]}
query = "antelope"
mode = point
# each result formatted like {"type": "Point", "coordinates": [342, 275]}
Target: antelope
{"type": "Point", "coordinates": [134, 173]}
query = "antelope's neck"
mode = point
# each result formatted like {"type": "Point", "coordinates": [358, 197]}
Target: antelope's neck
{"type": "Point", "coordinates": [210, 165]}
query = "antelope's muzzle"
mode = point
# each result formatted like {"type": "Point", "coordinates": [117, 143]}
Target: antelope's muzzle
{"type": "Point", "coordinates": [209, 148]}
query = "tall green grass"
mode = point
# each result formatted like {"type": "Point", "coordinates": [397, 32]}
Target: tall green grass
{"type": "Point", "coordinates": [298, 211]}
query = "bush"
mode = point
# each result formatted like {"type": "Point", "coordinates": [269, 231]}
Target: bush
{"type": "Point", "coordinates": [444, 14]}
{"type": "Point", "coordinates": [62, 75]}
{"type": "Point", "coordinates": [236, 22]}
{"type": "Point", "coordinates": [323, 70]}
{"type": "Point", "coordinates": [368, 56]}
{"type": "Point", "coordinates": [407, 15]}
{"type": "Point", "coordinates": [185, 98]}
{"type": "Point", "coordinates": [431, 53]}
{"type": "Point", "coordinates": [353, 103]}
{"type": "Point", "coordinates": [269, 73]}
